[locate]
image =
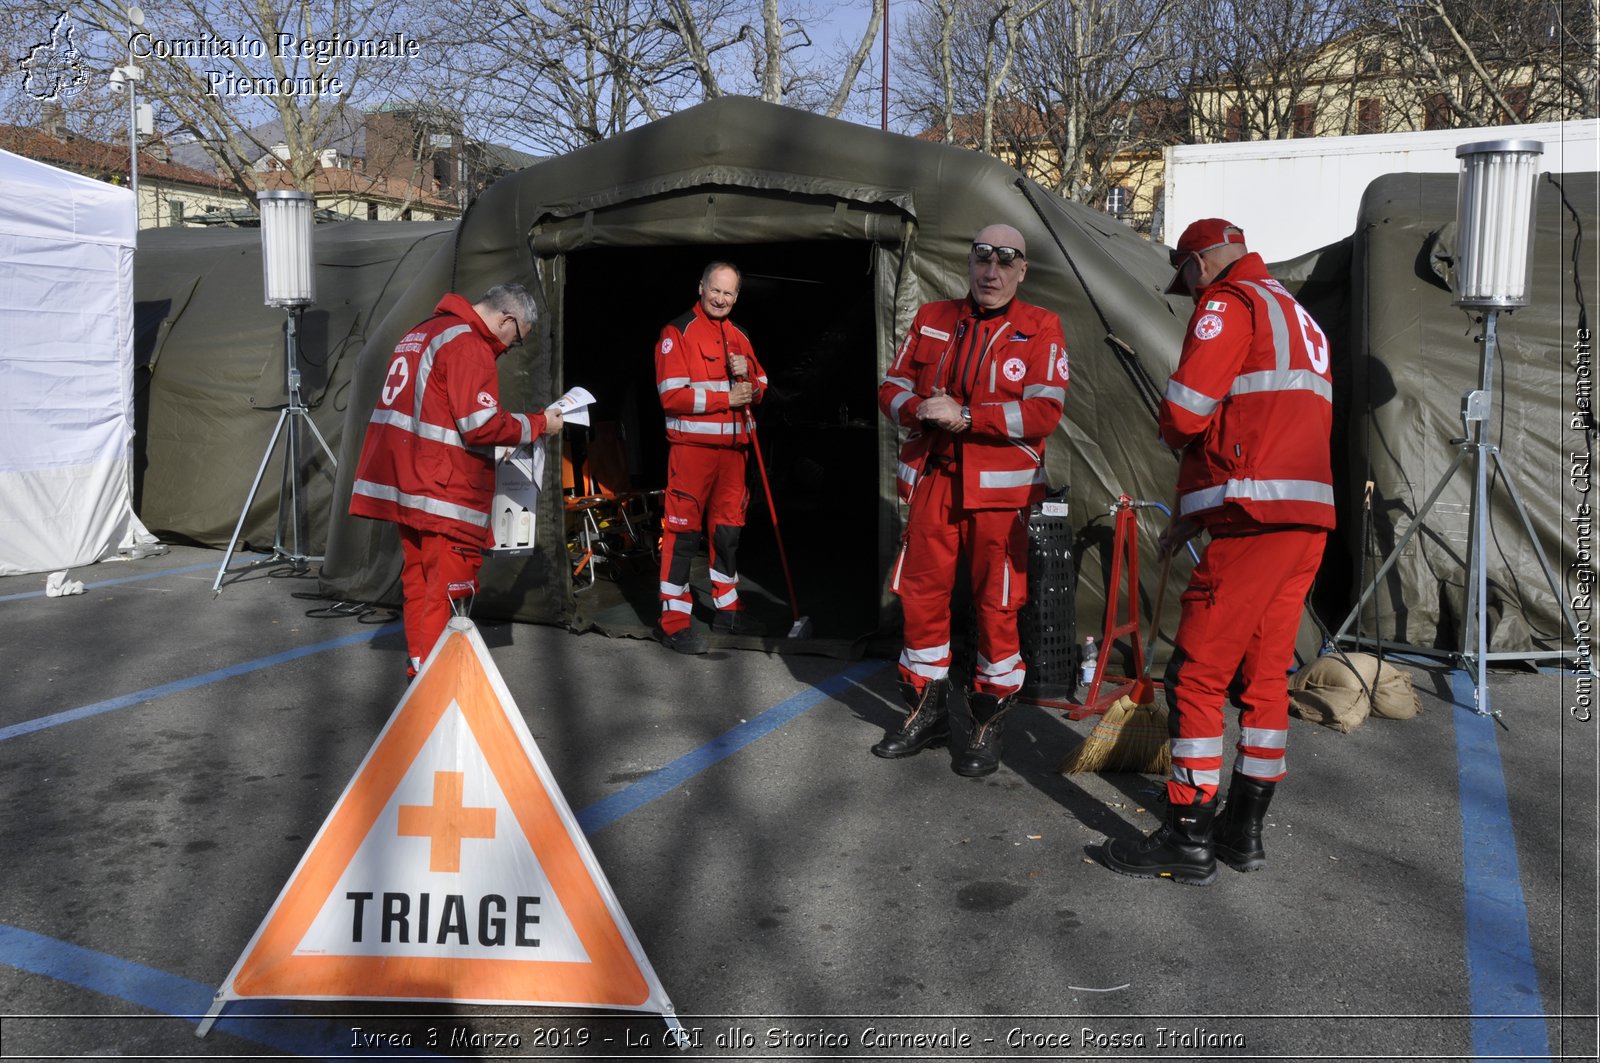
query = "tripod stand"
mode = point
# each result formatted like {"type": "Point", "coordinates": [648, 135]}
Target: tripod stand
{"type": "Point", "coordinates": [1475, 409]}
{"type": "Point", "coordinates": [290, 503]}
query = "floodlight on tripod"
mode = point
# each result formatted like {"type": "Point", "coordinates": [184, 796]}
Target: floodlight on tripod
{"type": "Point", "coordinates": [1495, 202]}
{"type": "Point", "coordinates": [288, 280]}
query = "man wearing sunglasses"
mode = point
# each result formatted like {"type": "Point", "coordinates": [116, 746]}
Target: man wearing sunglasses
{"type": "Point", "coordinates": [1251, 408]}
{"type": "Point", "coordinates": [979, 382]}
{"type": "Point", "coordinates": [427, 462]}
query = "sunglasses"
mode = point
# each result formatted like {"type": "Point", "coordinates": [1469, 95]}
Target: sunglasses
{"type": "Point", "coordinates": [1006, 255]}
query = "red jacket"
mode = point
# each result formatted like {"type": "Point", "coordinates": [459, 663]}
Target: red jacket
{"type": "Point", "coordinates": [1009, 368]}
{"type": "Point", "coordinates": [692, 380]}
{"type": "Point", "coordinates": [1251, 405]}
{"type": "Point", "coordinates": [428, 458]}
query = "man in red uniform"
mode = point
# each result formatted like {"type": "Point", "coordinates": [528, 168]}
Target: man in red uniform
{"type": "Point", "coordinates": [708, 379]}
{"type": "Point", "coordinates": [1251, 407]}
{"type": "Point", "coordinates": [980, 383]}
{"type": "Point", "coordinates": [427, 463]}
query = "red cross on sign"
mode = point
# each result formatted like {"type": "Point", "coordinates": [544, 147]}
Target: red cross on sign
{"type": "Point", "coordinates": [445, 821]}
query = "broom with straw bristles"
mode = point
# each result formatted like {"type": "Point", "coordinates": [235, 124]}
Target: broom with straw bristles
{"type": "Point", "coordinates": [1131, 735]}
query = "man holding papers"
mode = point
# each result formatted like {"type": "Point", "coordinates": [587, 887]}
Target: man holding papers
{"type": "Point", "coordinates": [427, 463]}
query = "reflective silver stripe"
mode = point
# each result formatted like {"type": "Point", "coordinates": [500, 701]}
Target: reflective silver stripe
{"type": "Point", "coordinates": [1257, 491]}
{"type": "Point", "coordinates": [671, 383]}
{"type": "Point", "coordinates": [1281, 380]}
{"type": "Point", "coordinates": [1005, 667]}
{"type": "Point", "coordinates": [1263, 738]}
{"type": "Point", "coordinates": [906, 473]}
{"type": "Point", "coordinates": [1280, 324]}
{"type": "Point", "coordinates": [1197, 747]}
{"type": "Point", "coordinates": [1259, 768]}
{"type": "Point", "coordinates": [677, 605]}
{"type": "Point", "coordinates": [421, 503]}
{"type": "Point", "coordinates": [928, 671]}
{"type": "Point", "coordinates": [761, 379]}
{"type": "Point", "coordinates": [1012, 412]}
{"type": "Point", "coordinates": [1045, 391]}
{"type": "Point", "coordinates": [726, 600]}
{"type": "Point", "coordinates": [475, 420]}
{"type": "Point", "coordinates": [425, 364]}
{"type": "Point", "coordinates": [896, 403]}
{"type": "Point", "coordinates": [923, 656]}
{"type": "Point", "coordinates": [901, 382]}
{"type": "Point", "coordinates": [1197, 779]}
{"type": "Point", "coordinates": [1010, 681]}
{"type": "Point", "coordinates": [721, 577]}
{"type": "Point", "coordinates": [432, 432]}
{"type": "Point", "coordinates": [703, 428]}
{"type": "Point", "coordinates": [699, 401]}
{"type": "Point", "coordinates": [1021, 478]}
{"type": "Point", "coordinates": [673, 590]}
{"type": "Point", "coordinates": [527, 426]}
{"type": "Point", "coordinates": [1187, 398]}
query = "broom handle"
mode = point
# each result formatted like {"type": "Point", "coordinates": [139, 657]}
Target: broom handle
{"type": "Point", "coordinates": [1155, 616]}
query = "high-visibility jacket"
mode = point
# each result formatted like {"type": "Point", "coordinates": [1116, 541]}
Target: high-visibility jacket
{"type": "Point", "coordinates": [1009, 368]}
{"type": "Point", "coordinates": [692, 380]}
{"type": "Point", "coordinates": [1251, 406]}
{"type": "Point", "coordinates": [428, 458]}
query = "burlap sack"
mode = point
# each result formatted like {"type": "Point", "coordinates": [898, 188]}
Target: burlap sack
{"type": "Point", "coordinates": [1328, 692]}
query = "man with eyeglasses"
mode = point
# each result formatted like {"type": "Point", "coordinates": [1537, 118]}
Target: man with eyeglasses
{"type": "Point", "coordinates": [427, 462]}
{"type": "Point", "coordinates": [707, 378]}
{"type": "Point", "coordinates": [1251, 408]}
{"type": "Point", "coordinates": [979, 382]}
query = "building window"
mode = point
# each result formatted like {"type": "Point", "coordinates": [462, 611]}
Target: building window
{"type": "Point", "coordinates": [1118, 200]}
{"type": "Point", "coordinates": [176, 206]}
{"type": "Point", "coordinates": [1305, 120]}
{"type": "Point", "coordinates": [1437, 115]}
{"type": "Point", "coordinates": [1369, 115]}
{"type": "Point", "coordinates": [372, 211]}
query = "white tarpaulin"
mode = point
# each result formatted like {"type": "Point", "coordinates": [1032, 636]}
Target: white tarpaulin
{"type": "Point", "coordinates": [66, 368]}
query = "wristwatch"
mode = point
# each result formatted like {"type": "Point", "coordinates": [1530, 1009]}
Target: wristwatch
{"type": "Point", "coordinates": [966, 417]}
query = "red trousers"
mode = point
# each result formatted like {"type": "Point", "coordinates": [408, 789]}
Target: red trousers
{"type": "Point", "coordinates": [705, 486]}
{"type": "Point", "coordinates": [434, 570]}
{"type": "Point", "coordinates": [995, 545]}
{"type": "Point", "coordinates": [1241, 613]}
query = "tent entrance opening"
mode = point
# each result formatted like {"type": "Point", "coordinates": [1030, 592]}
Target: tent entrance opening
{"type": "Point", "coordinates": [808, 309]}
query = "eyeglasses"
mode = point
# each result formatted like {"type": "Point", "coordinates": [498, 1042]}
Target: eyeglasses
{"type": "Point", "coordinates": [1006, 255]}
{"type": "Point", "coordinates": [518, 326]}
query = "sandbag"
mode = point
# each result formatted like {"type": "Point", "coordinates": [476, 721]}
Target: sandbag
{"type": "Point", "coordinates": [1329, 691]}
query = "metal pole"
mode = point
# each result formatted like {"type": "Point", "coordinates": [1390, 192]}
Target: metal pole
{"type": "Point", "coordinates": [885, 124]}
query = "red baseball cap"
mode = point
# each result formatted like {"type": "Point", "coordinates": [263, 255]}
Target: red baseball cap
{"type": "Point", "coordinates": [1197, 239]}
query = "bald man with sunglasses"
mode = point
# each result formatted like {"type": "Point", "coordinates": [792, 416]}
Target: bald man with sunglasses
{"type": "Point", "coordinates": [979, 384]}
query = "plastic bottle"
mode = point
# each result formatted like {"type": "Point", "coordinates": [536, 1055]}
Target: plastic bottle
{"type": "Point", "coordinates": [1091, 653]}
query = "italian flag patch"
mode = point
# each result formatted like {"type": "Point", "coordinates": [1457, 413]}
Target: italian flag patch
{"type": "Point", "coordinates": [1216, 304]}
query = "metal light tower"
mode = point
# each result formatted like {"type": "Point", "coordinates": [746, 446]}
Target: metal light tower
{"type": "Point", "coordinates": [288, 279]}
{"type": "Point", "coordinates": [1495, 200]}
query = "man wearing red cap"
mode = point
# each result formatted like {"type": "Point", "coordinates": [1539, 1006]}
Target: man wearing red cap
{"type": "Point", "coordinates": [1251, 408]}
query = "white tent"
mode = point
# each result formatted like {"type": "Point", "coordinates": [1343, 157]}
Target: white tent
{"type": "Point", "coordinates": [66, 368]}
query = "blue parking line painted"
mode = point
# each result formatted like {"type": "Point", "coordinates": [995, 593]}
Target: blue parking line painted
{"type": "Point", "coordinates": [608, 810]}
{"type": "Point", "coordinates": [138, 697]}
{"type": "Point", "coordinates": [185, 570]}
{"type": "Point", "coordinates": [1502, 982]}
{"type": "Point", "coordinates": [316, 1038]}
{"type": "Point", "coordinates": [265, 1023]}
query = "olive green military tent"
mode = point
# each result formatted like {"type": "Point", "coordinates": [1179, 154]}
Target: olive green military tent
{"type": "Point", "coordinates": [841, 232]}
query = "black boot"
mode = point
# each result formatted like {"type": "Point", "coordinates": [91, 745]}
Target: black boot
{"type": "Point", "coordinates": [1238, 841]}
{"type": "Point", "coordinates": [1179, 849]}
{"type": "Point", "coordinates": [982, 755]}
{"type": "Point", "coordinates": [927, 724]}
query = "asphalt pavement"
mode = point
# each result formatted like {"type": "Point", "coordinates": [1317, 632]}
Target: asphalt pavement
{"type": "Point", "coordinates": [166, 757]}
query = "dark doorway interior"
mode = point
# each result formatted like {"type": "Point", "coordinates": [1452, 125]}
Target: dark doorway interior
{"type": "Point", "coordinates": [808, 310]}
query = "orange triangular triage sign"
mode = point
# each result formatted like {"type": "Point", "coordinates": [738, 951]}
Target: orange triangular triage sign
{"type": "Point", "coordinates": [451, 869]}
